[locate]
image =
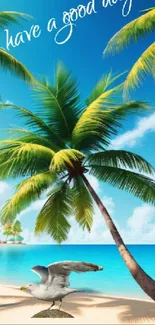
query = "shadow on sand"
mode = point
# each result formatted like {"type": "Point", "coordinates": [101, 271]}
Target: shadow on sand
{"type": "Point", "coordinates": [129, 311]}
{"type": "Point", "coordinates": [134, 311]}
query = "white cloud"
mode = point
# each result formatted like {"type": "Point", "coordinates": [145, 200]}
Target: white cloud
{"type": "Point", "coordinates": [94, 182]}
{"type": "Point", "coordinates": [31, 238]}
{"type": "Point", "coordinates": [109, 204]}
{"type": "Point", "coordinates": [139, 229]}
{"type": "Point", "coordinates": [4, 187]}
{"type": "Point", "coordinates": [130, 138]}
{"type": "Point", "coordinates": [6, 191]}
{"type": "Point", "coordinates": [141, 218]}
{"type": "Point", "coordinates": [99, 233]}
{"type": "Point", "coordinates": [36, 206]}
{"type": "Point", "coordinates": [140, 226]}
{"type": "Point", "coordinates": [8, 102]}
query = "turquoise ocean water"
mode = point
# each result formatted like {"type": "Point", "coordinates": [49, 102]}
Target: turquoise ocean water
{"type": "Point", "coordinates": [115, 279]}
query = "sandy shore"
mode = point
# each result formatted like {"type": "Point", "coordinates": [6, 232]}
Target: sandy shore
{"type": "Point", "coordinates": [17, 307]}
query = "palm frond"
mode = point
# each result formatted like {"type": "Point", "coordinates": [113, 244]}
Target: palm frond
{"type": "Point", "coordinates": [94, 131]}
{"type": "Point", "coordinates": [9, 62]}
{"type": "Point", "coordinates": [92, 124]}
{"type": "Point", "coordinates": [27, 192]}
{"type": "Point", "coordinates": [96, 128]}
{"type": "Point", "coordinates": [58, 104]}
{"type": "Point", "coordinates": [8, 232]}
{"type": "Point", "coordinates": [9, 17]}
{"type": "Point", "coordinates": [105, 99]}
{"type": "Point", "coordinates": [144, 65]}
{"type": "Point", "coordinates": [121, 158]}
{"type": "Point", "coordinates": [21, 159]}
{"type": "Point", "coordinates": [148, 9]}
{"type": "Point", "coordinates": [16, 227]}
{"type": "Point", "coordinates": [132, 32]}
{"type": "Point", "coordinates": [141, 186]}
{"type": "Point", "coordinates": [26, 136]}
{"type": "Point", "coordinates": [82, 204]}
{"type": "Point", "coordinates": [35, 123]}
{"type": "Point", "coordinates": [103, 86]}
{"type": "Point", "coordinates": [137, 108]}
{"type": "Point", "coordinates": [53, 216]}
{"type": "Point", "coordinates": [64, 159]}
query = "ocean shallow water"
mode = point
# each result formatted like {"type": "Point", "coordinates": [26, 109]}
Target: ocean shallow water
{"type": "Point", "coordinates": [16, 262]}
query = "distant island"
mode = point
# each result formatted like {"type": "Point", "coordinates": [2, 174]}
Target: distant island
{"type": "Point", "coordinates": [11, 241]}
{"type": "Point", "coordinates": [12, 233]}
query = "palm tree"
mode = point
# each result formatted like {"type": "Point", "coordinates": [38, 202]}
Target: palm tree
{"type": "Point", "coordinates": [8, 231]}
{"type": "Point", "coordinates": [64, 141]}
{"type": "Point", "coordinates": [16, 229]}
{"type": "Point", "coordinates": [136, 29]}
{"type": "Point", "coordinates": [7, 61]}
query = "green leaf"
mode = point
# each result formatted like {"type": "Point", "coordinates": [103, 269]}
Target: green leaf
{"type": "Point", "coordinates": [22, 159]}
{"type": "Point", "coordinates": [94, 131]}
{"type": "Point", "coordinates": [27, 192]}
{"type": "Point", "coordinates": [121, 158]}
{"type": "Point", "coordinates": [65, 159]}
{"type": "Point", "coordinates": [27, 136]}
{"type": "Point", "coordinates": [9, 17]}
{"type": "Point", "coordinates": [132, 32]}
{"type": "Point", "coordinates": [144, 65]}
{"type": "Point", "coordinates": [137, 108]}
{"type": "Point", "coordinates": [82, 204]}
{"type": "Point", "coordinates": [53, 217]}
{"type": "Point", "coordinates": [37, 124]}
{"type": "Point", "coordinates": [58, 104]}
{"type": "Point", "coordinates": [141, 186]}
{"type": "Point", "coordinates": [9, 62]}
{"type": "Point", "coordinates": [148, 9]}
{"type": "Point", "coordinates": [103, 86]}
{"type": "Point", "coordinates": [16, 227]}
{"type": "Point", "coordinates": [96, 128]}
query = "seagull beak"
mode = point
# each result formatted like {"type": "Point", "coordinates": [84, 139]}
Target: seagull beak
{"type": "Point", "coordinates": [101, 268]}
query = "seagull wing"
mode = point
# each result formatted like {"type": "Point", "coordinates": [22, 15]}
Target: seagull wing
{"type": "Point", "coordinates": [42, 271]}
{"type": "Point", "coordinates": [67, 267]}
{"type": "Point", "coordinates": [58, 280]}
{"type": "Point", "coordinates": [59, 272]}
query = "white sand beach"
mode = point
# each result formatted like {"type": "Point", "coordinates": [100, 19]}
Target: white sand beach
{"type": "Point", "coordinates": [17, 307]}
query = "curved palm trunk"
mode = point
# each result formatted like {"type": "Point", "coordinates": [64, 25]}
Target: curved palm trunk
{"type": "Point", "coordinates": [142, 278]}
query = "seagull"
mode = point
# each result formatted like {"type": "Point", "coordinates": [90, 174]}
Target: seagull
{"type": "Point", "coordinates": [54, 285]}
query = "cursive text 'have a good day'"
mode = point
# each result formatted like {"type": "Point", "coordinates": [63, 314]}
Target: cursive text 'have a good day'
{"type": "Point", "coordinates": [63, 33]}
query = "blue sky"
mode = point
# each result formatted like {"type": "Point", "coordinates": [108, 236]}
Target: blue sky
{"type": "Point", "coordinates": [83, 55]}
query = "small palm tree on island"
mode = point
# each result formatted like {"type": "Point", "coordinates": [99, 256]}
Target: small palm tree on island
{"type": "Point", "coordinates": [12, 229]}
{"type": "Point", "coordinates": [64, 141]}
{"type": "Point", "coordinates": [133, 31]}
{"type": "Point", "coordinates": [8, 61]}
{"type": "Point", "coordinates": [8, 231]}
{"type": "Point", "coordinates": [16, 229]}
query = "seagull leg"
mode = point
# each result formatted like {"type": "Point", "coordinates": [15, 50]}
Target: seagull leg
{"type": "Point", "coordinates": [51, 305]}
{"type": "Point", "coordinates": [60, 304]}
